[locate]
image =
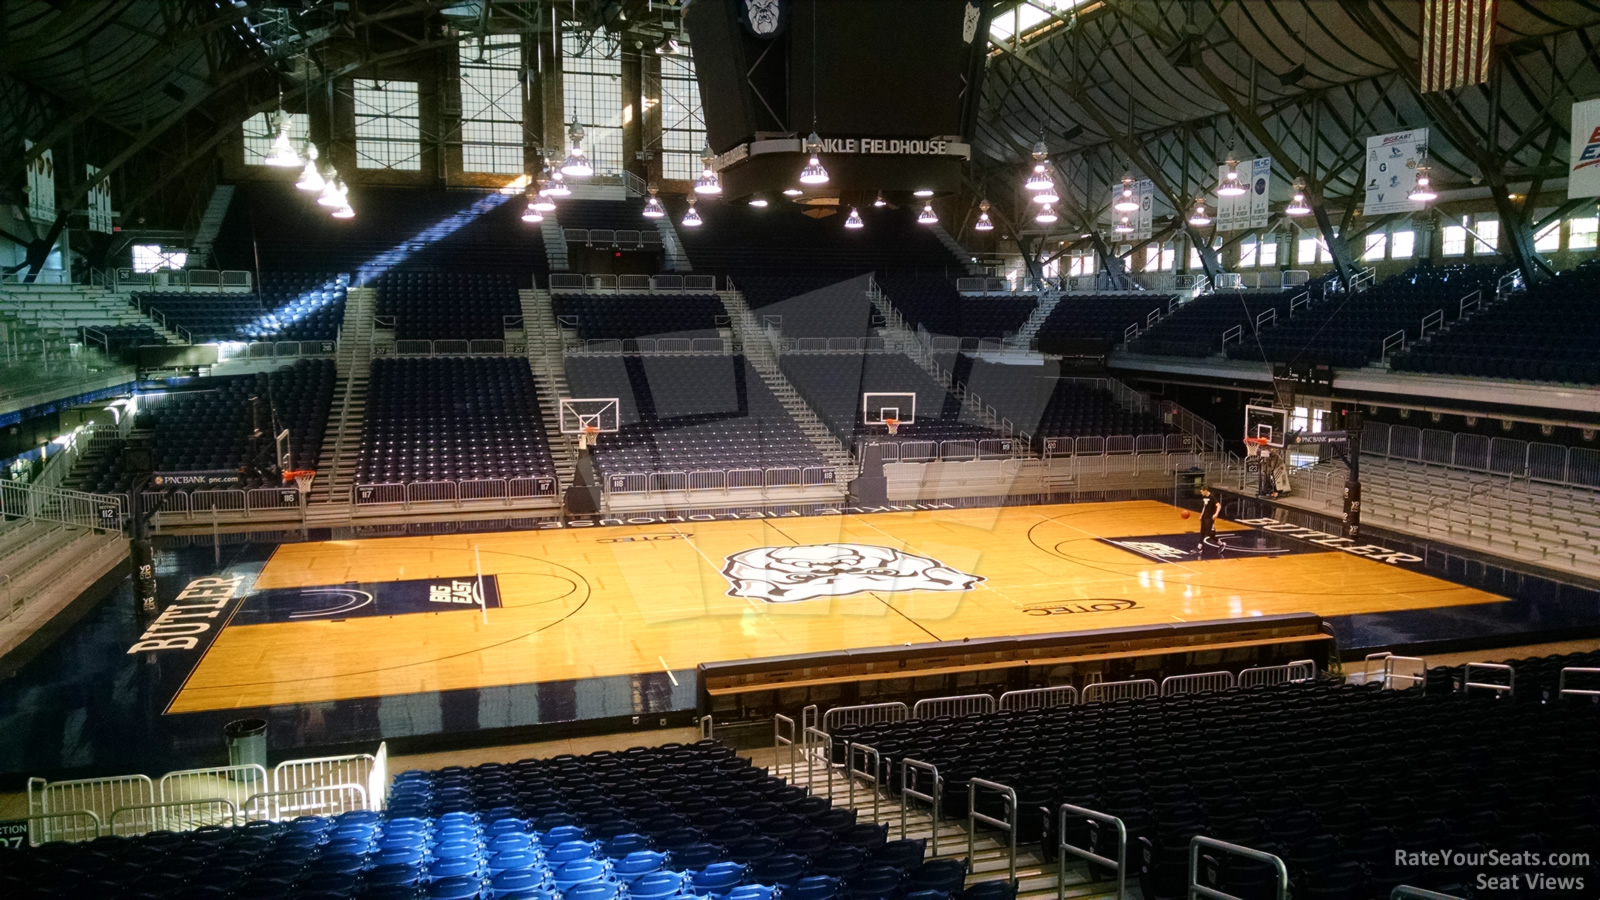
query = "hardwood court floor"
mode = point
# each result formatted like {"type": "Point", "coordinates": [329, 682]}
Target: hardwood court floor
{"type": "Point", "coordinates": [587, 602]}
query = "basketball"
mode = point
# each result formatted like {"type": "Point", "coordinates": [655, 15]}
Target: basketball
{"type": "Point", "coordinates": [1185, 514]}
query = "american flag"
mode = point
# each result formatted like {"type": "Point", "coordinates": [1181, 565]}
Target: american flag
{"type": "Point", "coordinates": [1456, 37]}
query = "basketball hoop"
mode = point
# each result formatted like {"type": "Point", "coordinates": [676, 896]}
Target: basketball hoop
{"type": "Point", "coordinates": [894, 425]}
{"type": "Point", "coordinates": [1255, 446]}
{"type": "Point", "coordinates": [588, 435]}
{"type": "Point", "coordinates": [302, 478]}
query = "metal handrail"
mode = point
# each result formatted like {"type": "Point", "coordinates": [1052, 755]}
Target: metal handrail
{"type": "Point", "coordinates": [1509, 688]}
{"type": "Point", "coordinates": [1120, 863]}
{"type": "Point", "coordinates": [1196, 889]}
{"type": "Point", "coordinates": [163, 823]}
{"type": "Point", "coordinates": [825, 742]}
{"type": "Point", "coordinates": [850, 772]}
{"type": "Point", "coordinates": [778, 740]}
{"type": "Point", "coordinates": [933, 797]}
{"type": "Point", "coordinates": [1008, 825]}
{"type": "Point", "coordinates": [1561, 683]}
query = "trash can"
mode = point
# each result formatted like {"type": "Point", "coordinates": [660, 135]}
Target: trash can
{"type": "Point", "coordinates": [247, 742]}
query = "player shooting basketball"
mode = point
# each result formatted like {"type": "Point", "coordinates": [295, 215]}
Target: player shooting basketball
{"type": "Point", "coordinates": [1210, 506]}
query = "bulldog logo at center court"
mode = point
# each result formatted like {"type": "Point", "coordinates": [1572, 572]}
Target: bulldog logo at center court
{"type": "Point", "coordinates": [812, 571]}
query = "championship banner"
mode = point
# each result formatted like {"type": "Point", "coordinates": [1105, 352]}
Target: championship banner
{"type": "Point", "coordinates": [1392, 161]}
{"type": "Point", "coordinates": [1143, 221]}
{"type": "Point", "coordinates": [41, 185]}
{"type": "Point", "coordinates": [1583, 179]}
{"type": "Point", "coordinates": [99, 201]}
{"type": "Point", "coordinates": [1249, 210]}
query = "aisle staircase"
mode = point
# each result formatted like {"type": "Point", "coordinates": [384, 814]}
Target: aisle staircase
{"type": "Point", "coordinates": [677, 259]}
{"type": "Point", "coordinates": [962, 254]}
{"type": "Point", "coordinates": [555, 244]}
{"type": "Point", "coordinates": [549, 377]}
{"type": "Point", "coordinates": [988, 853]}
{"type": "Point", "coordinates": [758, 350]}
{"type": "Point", "coordinates": [330, 499]}
{"type": "Point", "coordinates": [205, 234]}
{"type": "Point", "coordinates": [1023, 338]}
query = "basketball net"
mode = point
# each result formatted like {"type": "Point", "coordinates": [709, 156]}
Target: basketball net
{"type": "Point", "coordinates": [894, 425]}
{"type": "Point", "coordinates": [1255, 446]}
{"type": "Point", "coordinates": [587, 436]}
{"type": "Point", "coordinates": [302, 479]}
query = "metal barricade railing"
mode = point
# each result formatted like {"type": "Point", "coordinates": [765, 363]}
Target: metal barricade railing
{"type": "Point", "coordinates": [1196, 889]}
{"type": "Point", "coordinates": [97, 795]}
{"type": "Point", "coordinates": [326, 800]}
{"type": "Point", "coordinates": [84, 824]}
{"type": "Point", "coordinates": [851, 773]}
{"type": "Point", "coordinates": [1196, 683]}
{"type": "Point", "coordinates": [865, 714]}
{"type": "Point", "coordinates": [1397, 673]}
{"type": "Point", "coordinates": [379, 494]}
{"type": "Point", "coordinates": [232, 783]}
{"type": "Point", "coordinates": [1008, 824]}
{"type": "Point", "coordinates": [964, 705]}
{"type": "Point", "coordinates": [1299, 670]}
{"type": "Point", "coordinates": [1120, 864]}
{"type": "Point", "coordinates": [934, 797]}
{"type": "Point", "coordinates": [1039, 698]}
{"type": "Point", "coordinates": [302, 774]}
{"type": "Point", "coordinates": [1104, 691]}
{"type": "Point", "coordinates": [1561, 684]}
{"type": "Point", "coordinates": [1468, 684]}
{"type": "Point", "coordinates": [823, 747]}
{"type": "Point", "coordinates": [172, 815]}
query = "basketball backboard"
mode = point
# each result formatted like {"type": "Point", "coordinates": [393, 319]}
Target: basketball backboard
{"type": "Point", "coordinates": [602, 414]}
{"type": "Point", "coordinates": [878, 407]}
{"type": "Point", "coordinates": [1266, 422]}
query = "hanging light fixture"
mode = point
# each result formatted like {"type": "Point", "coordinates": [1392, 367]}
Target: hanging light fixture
{"type": "Point", "coordinates": [1047, 215]}
{"type": "Point", "coordinates": [792, 192]}
{"type": "Point", "coordinates": [532, 213]}
{"type": "Point", "coordinates": [879, 202]}
{"type": "Point", "coordinates": [691, 219]}
{"type": "Point", "coordinates": [709, 183]}
{"type": "Point", "coordinates": [283, 154]}
{"type": "Point", "coordinates": [1423, 192]}
{"type": "Point", "coordinates": [983, 223]}
{"type": "Point", "coordinates": [854, 220]}
{"type": "Point", "coordinates": [1124, 225]}
{"type": "Point", "coordinates": [1230, 186]}
{"type": "Point", "coordinates": [922, 193]}
{"type": "Point", "coordinates": [1040, 177]}
{"type": "Point", "coordinates": [652, 206]}
{"type": "Point", "coordinates": [927, 216]}
{"type": "Point", "coordinates": [542, 201]}
{"type": "Point", "coordinates": [310, 178]}
{"type": "Point", "coordinates": [1046, 194]}
{"type": "Point", "coordinates": [758, 202]}
{"type": "Point", "coordinates": [1297, 206]}
{"type": "Point", "coordinates": [576, 164]}
{"type": "Point", "coordinates": [558, 186]}
{"type": "Point", "coordinates": [813, 173]}
{"type": "Point", "coordinates": [1127, 201]}
{"type": "Point", "coordinates": [1199, 219]}
{"type": "Point", "coordinates": [333, 192]}
{"type": "Point", "coordinates": [344, 212]}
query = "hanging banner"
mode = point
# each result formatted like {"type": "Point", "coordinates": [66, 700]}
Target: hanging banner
{"type": "Point", "coordinates": [99, 201]}
{"type": "Point", "coordinates": [1583, 180]}
{"type": "Point", "coordinates": [1142, 221]}
{"type": "Point", "coordinates": [1392, 161]}
{"type": "Point", "coordinates": [41, 185]}
{"type": "Point", "coordinates": [1248, 210]}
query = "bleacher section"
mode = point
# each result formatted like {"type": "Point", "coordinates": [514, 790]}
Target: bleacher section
{"type": "Point", "coordinates": [395, 228]}
{"type": "Point", "coordinates": [687, 413]}
{"type": "Point", "coordinates": [456, 305]}
{"type": "Point", "coordinates": [812, 306]}
{"type": "Point", "coordinates": [933, 303]}
{"type": "Point", "coordinates": [1040, 402]}
{"type": "Point", "coordinates": [783, 239]}
{"type": "Point", "coordinates": [1098, 317]}
{"type": "Point", "coordinates": [1273, 769]}
{"type": "Point", "coordinates": [1548, 334]}
{"type": "Point", "coordinates": [1196, 327]}
{"type": "Point", "coordinates": [832, 384]}
{"type": "Point", "coordinates": [452, 419]}
{"type": "Point", "coordinates": [626, 316]}
{"type": "Point", "coordinates": [289, 307]}
{"type": "Point", "coordinates": [1349, 329]}
{"type": "Point", "coordinates": [207, 427]}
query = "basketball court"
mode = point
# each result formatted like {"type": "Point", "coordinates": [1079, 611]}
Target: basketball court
{"type": "Point", "coordinates": [337, 620]}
